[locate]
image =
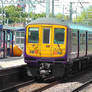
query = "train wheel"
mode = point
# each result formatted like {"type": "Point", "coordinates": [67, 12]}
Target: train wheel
{"type": "Point", "coordinates": [58, 70]}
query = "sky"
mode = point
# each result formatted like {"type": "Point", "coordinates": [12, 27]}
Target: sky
{"type": "Point", "coordinates": [62, 6]}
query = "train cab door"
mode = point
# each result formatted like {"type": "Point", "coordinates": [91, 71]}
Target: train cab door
{"type": "Point", "coordinates": [46, 48]}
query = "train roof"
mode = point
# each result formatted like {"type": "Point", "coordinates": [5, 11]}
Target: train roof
{"type": "Point", "coordinates": [80, 27]}
{"type": "Point", "coordinates": [54, 21]}
{"type": "Point", "coordinates": [47, 21]}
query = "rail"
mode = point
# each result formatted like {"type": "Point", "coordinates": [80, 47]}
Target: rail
{"type": "Point", "coordinates": [13, 77]}
{"type": "Point", "coordinates": [14, 87]}
{"type": "Point", "coordinates": [53, 83]}
{"type": "Point", "coordinates": [82, 86]}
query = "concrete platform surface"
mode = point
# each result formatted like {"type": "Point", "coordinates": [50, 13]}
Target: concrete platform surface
{"type": "Point", "coordinates": [11, 62]}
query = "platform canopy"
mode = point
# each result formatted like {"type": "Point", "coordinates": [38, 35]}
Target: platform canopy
{"type": "Point", "coordinates": [9, 28]}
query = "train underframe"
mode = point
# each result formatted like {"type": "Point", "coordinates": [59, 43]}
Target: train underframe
{"type": "Point", "coordinates": [44, 69]}
{"type": "Point", "coordinates": [58, 69]}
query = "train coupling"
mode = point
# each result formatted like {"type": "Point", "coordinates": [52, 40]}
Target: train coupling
{"type": "Point", "coordinates": [45, 69]}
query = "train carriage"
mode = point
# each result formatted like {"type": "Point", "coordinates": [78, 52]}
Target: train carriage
{"type": "Point", "coordinates": [1, 41]}
{"type": "Point", "coordinates": [53, 47]}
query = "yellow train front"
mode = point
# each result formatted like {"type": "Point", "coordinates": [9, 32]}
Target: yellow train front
{"type": "Point", "coordinates": [45, 47]}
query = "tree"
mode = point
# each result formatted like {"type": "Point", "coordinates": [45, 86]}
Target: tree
{"type": "Point", "coordinates": [37, 15]}
{"type": "Point", "coordinates": [85, 16]}
{"type": "Point", "coordinates": [62, 17]}
{"type": "Point", "coordinates": [15, 14]}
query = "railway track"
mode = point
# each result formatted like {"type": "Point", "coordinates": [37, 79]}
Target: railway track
{"type": "Point", "coordinates": [11, 78]}
{"type": "Point", "coordinates": [47, 86]}
{"type": "Point", "coordinates": [40, 87]}
{"type": "Point", "coordinates": [85, 86]}
{"type": "Point", "coordinates": [16, 80]}
{"type": "Point", "coordinates": [58, 85]}
{"type": "Point", "coordinates": [15, 87]}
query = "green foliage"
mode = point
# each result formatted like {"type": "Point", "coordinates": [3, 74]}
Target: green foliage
{"type": "Point", "coordinates": [59, 16]}
{"type": "Point", "coordinates": [38, 15]}
{"type": "Point", "coordinates": [62, 17]}
{"type": "Point", "coordinates": [85, 16]}
{"type": "Point", "coordinates": [0, 10]}
{"type": "Point", "coordinates": [14, 14]}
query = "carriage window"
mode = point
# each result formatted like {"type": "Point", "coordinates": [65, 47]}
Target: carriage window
{"type": "Point", "coordinates": [17, 34]}
{"type": "Point", "coordinates": [59, 35]}
{"type": "Point", "coordinates": [33, 35]}
{"type": "Point", "coordinates": [22, 40]}
{"type": "Point", "coordinates": [46, 35]}
{"type": "Point", "coordinates": [22, 34]}
{"type": "Point", "coordinates": [0, 39]}
{"type": "Point", "coordinates": [0, 35]}
{"type": "Point", "coordinates": [18, 40]}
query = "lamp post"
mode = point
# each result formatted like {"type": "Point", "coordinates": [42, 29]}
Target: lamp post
{"type": "Point", "coordinates": [47, 8]}
{"type": "Point", "coordinates": [2, 11]}
{"type": "Point", "coordinates": [71, 11]}
{"type": "Point", "coordinates": [52, 8]}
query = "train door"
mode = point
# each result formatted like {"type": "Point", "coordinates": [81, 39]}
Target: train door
{"type": "Point", "coordinates": [8, 43]}
{"type": "Point", "coordinates": [82, 36]}
{"type": "Point", "coordinates": [46, 50]}
{"type": "Point", "coordinates": [1, 45]}
{"type": "Point", "coordinates": [11, 42]}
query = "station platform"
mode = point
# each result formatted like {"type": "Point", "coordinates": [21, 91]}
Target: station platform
{"type": "Point", "coordinates": [10, 62]}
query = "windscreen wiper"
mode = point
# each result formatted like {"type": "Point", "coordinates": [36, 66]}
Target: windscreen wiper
{"type": "Point", "coordinates": [59, 46]}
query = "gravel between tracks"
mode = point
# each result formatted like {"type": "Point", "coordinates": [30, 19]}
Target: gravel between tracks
{"type": "Point", "coordinates": [61, 87]}
{"type": "Point", "coordinates": [87, 89]}
{"type": "Point", "coordinates": [32, 87]}
{"type": "Point", "coordinates": [70, 86]}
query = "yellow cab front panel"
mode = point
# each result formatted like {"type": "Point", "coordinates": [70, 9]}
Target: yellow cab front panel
{"type": "Point", "coordinates": [44, 40]}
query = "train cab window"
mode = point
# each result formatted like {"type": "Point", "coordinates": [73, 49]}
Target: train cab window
{"type": "Point", "coordinates": [33, 35]}
{"type": "Point", "coordinates": [46, 35]}
{"type": "Point", "coordinates": [59, 35]}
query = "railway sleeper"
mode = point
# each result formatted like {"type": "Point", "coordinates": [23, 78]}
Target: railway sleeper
{"type": "Point", "coordinates": [58, 70]}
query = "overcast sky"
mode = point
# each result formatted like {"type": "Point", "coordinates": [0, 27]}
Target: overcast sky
{"type": "Point", "coordinates": [62, 6]}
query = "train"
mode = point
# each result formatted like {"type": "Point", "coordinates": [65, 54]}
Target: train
{"type": "Point", "coordinates": [53, 47]}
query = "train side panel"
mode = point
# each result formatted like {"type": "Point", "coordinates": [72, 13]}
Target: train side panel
{"type": "Point", "coordinates": [81, 43]}
{"type": "Point", "coordinates": [74, 43]}
{"type": "Point", "coordinates": [89, 46]}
